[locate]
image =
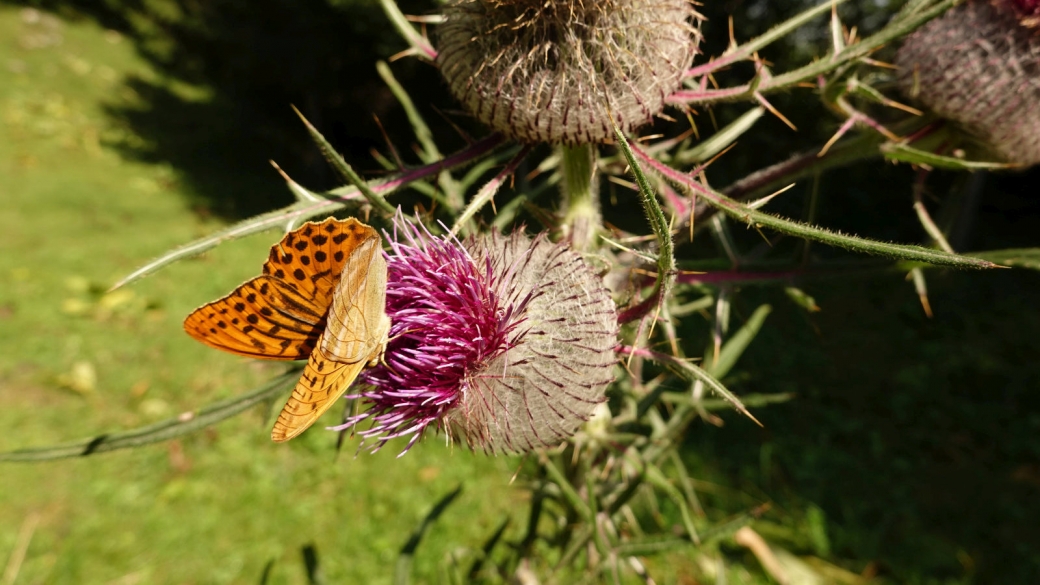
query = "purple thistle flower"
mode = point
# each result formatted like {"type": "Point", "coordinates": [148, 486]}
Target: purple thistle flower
{"type": "Point", "coordinates": [504, 342]}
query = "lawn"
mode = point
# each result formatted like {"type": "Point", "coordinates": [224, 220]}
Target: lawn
{"type": "Point", "coordinates": [215, 507]}
{"type": "Point", "coordinates": [908, 452]}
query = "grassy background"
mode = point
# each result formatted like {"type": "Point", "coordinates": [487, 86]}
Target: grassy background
{"type": "Point", "coordinates": [215, 507]}
{"type": "Point", "coordinates": [910, 451]}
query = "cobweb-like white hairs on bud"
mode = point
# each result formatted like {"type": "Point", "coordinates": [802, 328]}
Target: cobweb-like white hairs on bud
{"type": "Point", "coordinates": [539, 391]}
{"type": "Point", "coordinates": [555, 71]}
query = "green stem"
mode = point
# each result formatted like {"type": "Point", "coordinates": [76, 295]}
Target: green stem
{"type": "Point", "coordinates": [666, 271]}
{"type": "Point", "coordinates": [581, 219]}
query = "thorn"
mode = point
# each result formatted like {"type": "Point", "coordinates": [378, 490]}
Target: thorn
{"type": "Point", "coordinates": [845, 126]}
{"type": "Point", "coordinates": [837, 38]}
{"type": "Point", "coordinates": [409, 52]}
{"type": "Point", "coordinates": [901, 106]}
{"type": "Point", "coordinates": [389, 144]}
{"type": "Point", "coordinates": [763, 201]}
{"type": "Point", "coordinates": [926, 305]}
{"type": "Point", "coordinates": [877, 63]}
{"type": "Point", "coordinates": [301, 193]}
{"type": "Point", "coordinates": [765, 103]}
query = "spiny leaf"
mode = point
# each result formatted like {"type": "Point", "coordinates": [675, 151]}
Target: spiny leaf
{"type": "Point", "coordinates": [755, 219]}
{"type": "Point", "coordinates": [777, 32]}
{"type": "Point", "coordinates": [719, 141]}
{"type": "Point", "coordinates": [345, 170]}
{"type": "Point", "coordinates": [402, 572]}
{"type": "Point", "coordinates": [735, 346]}
{"type": "Point", "coordinates": [301, 211]}
{"type": "Point", "coordinates": [904, 153]}
{"type": "Point", "coordinates": [183, 424]}
{"type": "Point", "coordinates": [1015, 257]}
{"type": "Point", "coordinates": [285, 216]}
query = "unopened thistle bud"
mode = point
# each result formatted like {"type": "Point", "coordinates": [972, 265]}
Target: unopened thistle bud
{"type": "Point", "coordinates": [555, 71]}
{"type": "Point", "coordinates": [978, 65]}
{"type": "Point", "coordinates": [505, 342]}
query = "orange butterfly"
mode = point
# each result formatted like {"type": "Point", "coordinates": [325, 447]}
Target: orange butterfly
{"type": "Point", "coordinates": [321, 297]}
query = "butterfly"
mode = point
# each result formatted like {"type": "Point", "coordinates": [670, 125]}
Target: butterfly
{"type": "Point", "coordinates": [321, 297]}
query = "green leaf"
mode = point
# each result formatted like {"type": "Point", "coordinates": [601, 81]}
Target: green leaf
{"type": "Point", "coordinates": [345, 170]}
{"type": "Point", "coordinates": [735, 346]}
{"type": "Point", "coordinates": [719, 141]}
{"type": "Point", "coordinates": [713, 404]}
{"type": "Point", "coordinates": [1014, 257]}
{"type": "Point", "coordinates": [580, 506]}
{"type": "Point", "coordinates": [429, 152]}
{"type": "Point", "coordinates": [183, 424]}
{"type": "Point", "coordinates": [655, 477]}
{"type": "Point", "coordinates": [488, 191]}
{"type": "Point", "coordinates": [284, 217]}
{"type": "Point", "coordinates": [402, 572]}
{"type": "Point", "coordinates": [693, 373]}
{"type": "Point", "coordinates": [904, 153]}
{"type": "Point", "coordinates": [802, 299]}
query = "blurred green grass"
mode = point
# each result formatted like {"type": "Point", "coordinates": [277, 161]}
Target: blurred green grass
{"type": "Point", "coordinates": [214, 507]}
{"type": "Point", "coordinates": [910, 448]}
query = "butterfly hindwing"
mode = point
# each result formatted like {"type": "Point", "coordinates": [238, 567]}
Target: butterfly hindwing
{"type": "Point", "coordinates": [322, 383]}
{"type": "Point", "coordinates": [357, 320]}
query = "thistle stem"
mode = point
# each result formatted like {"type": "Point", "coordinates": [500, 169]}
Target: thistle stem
{"type": "Point", "coordinates": [581, 220]}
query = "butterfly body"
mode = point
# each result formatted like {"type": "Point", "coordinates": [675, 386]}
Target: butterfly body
{"type": "Point", "coordinates": [321, 297]}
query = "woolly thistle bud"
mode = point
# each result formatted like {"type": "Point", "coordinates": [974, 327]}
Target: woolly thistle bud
{"type": "Point", "coordinates": [979, 66]}
{"type": "Point", "coordinates": [556, 70]}
{"type": "Point", "coordinates": [505, 342]}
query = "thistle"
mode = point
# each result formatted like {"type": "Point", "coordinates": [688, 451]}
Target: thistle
{"type": "Point", "coordinates": [504, 342]}
{"type": "Point", "coordinates": [557, 72]}
{"type": "Point", "coordinates": [979, 66]}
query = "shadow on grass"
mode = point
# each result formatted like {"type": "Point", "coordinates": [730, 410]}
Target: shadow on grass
{"type": "Point", "coordinates": [247, 63]}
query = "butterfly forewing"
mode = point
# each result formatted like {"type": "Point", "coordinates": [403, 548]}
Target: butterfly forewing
{"type": "Point", "coordinates": [321, 297]}
{"type": "Point", "coordinates": [260, 319]}
{"type": "Point", "coordinates": [281, 314]}
{"type": "Point", "coordinates": [312, 258]}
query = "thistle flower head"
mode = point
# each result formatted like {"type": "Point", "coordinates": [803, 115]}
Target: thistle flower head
{"type": "Point", "coordinates": [557, 71]}
{"type": "Point", "coordinates": [978, 65]}
{"type": "Point", "coordinates": [505, 342]}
